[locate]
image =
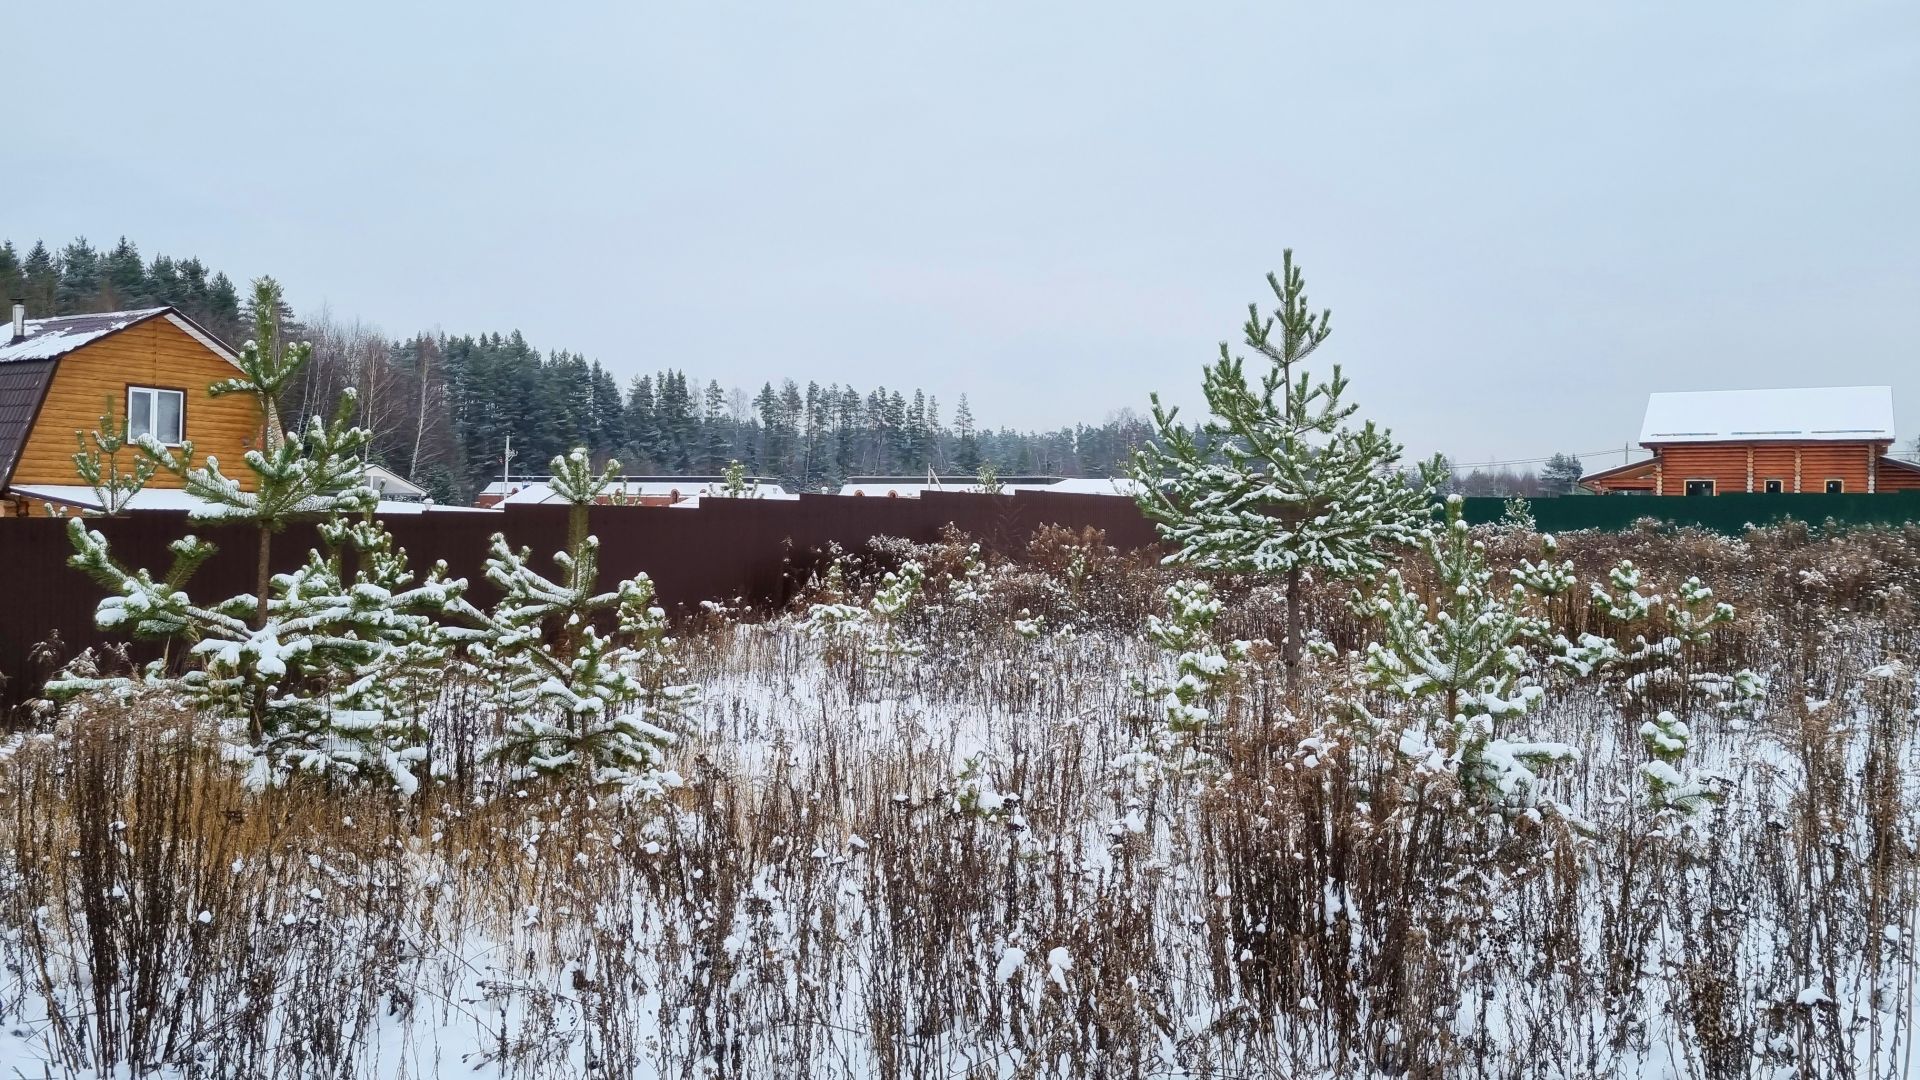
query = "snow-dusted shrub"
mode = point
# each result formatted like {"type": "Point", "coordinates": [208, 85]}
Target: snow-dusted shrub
{"type": "Point", "coordinates": [1459, 665]}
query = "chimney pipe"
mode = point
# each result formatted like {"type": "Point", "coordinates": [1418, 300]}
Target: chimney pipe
{"type": "Point", "coordinates": [19, 318]}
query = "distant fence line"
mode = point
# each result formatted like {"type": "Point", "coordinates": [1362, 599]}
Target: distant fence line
{"type": "Point", "coordinates": [1729, 514]}
{"type": "Point", "coordinates": [718, 550]}
{"type": "Point", "coordinates": [723, 548]}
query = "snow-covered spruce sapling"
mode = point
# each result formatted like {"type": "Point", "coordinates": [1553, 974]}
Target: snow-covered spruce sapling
{"type": "Point", "coordinates": [576, 701]}
{"type": "Point", "coordinates": [888, 609]}
{"type": "Point", "coordinates": [1276, 481]}
{"type": "Point", "coordinates": [349, 656]}
{"type": "Point", "coordinates": [1517, 514]}
{"type": "Point", "coordinates": [1663, 665]}
{"type": "Point", "coordinates": [988, 479]}
{"type": "Point", "coordinates": [1459, 666]}
{"type": "Point", "coordinates": [100, 469]}
{"type": "Point", "coordinates": [1548, 581]}
{"type": "Point", "coordinates": [1182, 700]}
{"type": "Point", "coordinates": [968, 584]}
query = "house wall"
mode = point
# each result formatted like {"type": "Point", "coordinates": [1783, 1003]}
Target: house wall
{"type": "Point", "coordinates": [1894, 478]}
{"type": "Point", "coordinates": [95, 377]}
{"type": "Point", "coordinates": [1727, 465]}
{"type": "Point", "coordinates": [1773, 463]}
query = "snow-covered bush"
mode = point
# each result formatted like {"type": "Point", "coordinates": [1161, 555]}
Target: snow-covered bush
{"type": "Point", "coordinates": [1460, 667]}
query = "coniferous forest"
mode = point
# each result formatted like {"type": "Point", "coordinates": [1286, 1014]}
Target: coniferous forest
{"type": "Point", "coordinates": [442, 407]}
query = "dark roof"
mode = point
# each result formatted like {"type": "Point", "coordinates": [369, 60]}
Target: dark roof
{"type": "Point", "coordinates": [23, 385]}
{"type": "Point", "coordinates": [1620, 471]}
{"type": "Point", "coordinates": [48, 339]}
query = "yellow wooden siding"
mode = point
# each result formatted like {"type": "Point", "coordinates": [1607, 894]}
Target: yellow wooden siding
{"type": "Point", "coordinates": [95, 377]}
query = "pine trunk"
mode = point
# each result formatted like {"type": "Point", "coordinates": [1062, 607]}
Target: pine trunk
{"type": "Point", "coordinates": [263, 574]}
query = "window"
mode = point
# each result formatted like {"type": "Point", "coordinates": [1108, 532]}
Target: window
{"type": "Point", "coordinates": [1774, 487]}
{"type": "Point", "coordinates": [1836, 487]}
{"type": "Point", "coordinates": [157, 413]}
{"type": "Point", "coordinates": [1699, 487]}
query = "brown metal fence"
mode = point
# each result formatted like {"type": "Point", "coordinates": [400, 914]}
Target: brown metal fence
{"type": "Point", "coordinates": [721, 550]}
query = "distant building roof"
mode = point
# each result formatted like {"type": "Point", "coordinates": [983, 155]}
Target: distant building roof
{"type": "Point", "coordinates": [390, 484]}
{"type": "Point", "coordinates": [81, 497]}
{"type": "Point", "coordinates": [23, 384]}
{"type": "Point", "coordinates": [533, 492]}
{"type": "Point", "coordinates": [910, 487]}
{"type": "Point", "coordinates": [1813, 414]}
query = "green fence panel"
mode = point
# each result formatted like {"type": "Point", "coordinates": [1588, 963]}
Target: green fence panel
{"type": "Point", "coordinates": [1729, 514]}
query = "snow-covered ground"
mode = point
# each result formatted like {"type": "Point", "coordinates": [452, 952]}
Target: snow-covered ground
{"type": "Point", "coordinates": [977, 854]}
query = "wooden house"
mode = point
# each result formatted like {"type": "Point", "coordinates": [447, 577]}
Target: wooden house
{"type": "Point", "coordinates": [150, 368]}
{"type": "Point", "coordinates": [1825, 439]}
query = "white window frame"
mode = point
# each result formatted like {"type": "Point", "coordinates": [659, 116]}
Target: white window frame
{"type": "Point", "coordinates": [1832, 480]}
{"type": "Point", "coordinates": [153, 394]}
{"type": "Point", "coordinates": [1779, 484]}
{"type": "Point", "coordinates": [1713, 486]}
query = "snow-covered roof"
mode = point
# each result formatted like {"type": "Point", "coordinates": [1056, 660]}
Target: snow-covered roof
{"type": "Point", "coordinates": [82, 497]}
{"type": "Point", "coordinates": [391, 484]}
{"type": "Point", "coordinates": [911, 489]}
{"type": "Point", "coordinates": [1812, 414]}
{"type": "Point", "coordinates": [537, 492]}
{"type": "Point", "coordinates": [48, 338]}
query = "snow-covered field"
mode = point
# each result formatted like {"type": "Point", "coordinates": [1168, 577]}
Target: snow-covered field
{"type": "Point", "coordinates": [991, 839]}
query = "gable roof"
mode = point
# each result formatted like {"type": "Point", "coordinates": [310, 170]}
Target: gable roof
{"type": "Point", "coordinates": [1812, 414]}
{"type": "Point", "coordinates": [27, 365]}
{"type": "Point", "coordinates": [52, 338]}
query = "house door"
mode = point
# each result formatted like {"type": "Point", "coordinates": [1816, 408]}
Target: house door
{"type": "Point", "coordinates": [1699, 487]}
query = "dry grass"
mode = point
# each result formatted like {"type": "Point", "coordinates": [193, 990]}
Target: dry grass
{"type": "Point", "coordinates": [830, 896]}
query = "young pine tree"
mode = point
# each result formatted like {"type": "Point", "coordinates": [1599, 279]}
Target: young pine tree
{"type": "Point", "coordinates": [329, 666]}
{"type": "Point", "coordinates": [575, 700]}
{"type": "Point", "coordinates": [1459, 665]}
{"type": "Point", "coordinates": [1275, 481]}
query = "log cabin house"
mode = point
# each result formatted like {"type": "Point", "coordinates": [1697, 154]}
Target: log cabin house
{"type": "Point", "coordinates": [60, 375]}
{"type": "Point", "coordinates": [1830, 440]}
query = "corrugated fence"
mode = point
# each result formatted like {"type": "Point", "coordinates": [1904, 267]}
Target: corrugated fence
{"type": "Point", "coordinates": [720, 550]}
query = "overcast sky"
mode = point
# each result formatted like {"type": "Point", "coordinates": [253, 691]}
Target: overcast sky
{"type": "Point", "coordinates": [1525, 216]}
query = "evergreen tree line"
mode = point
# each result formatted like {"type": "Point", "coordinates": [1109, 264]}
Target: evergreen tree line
{"type": "Point", "coordinates": [442, 408]}
{"type": "Point", "coordinates": [808, 437]}
{"type": "Point", "coordinates": [80, 279]}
